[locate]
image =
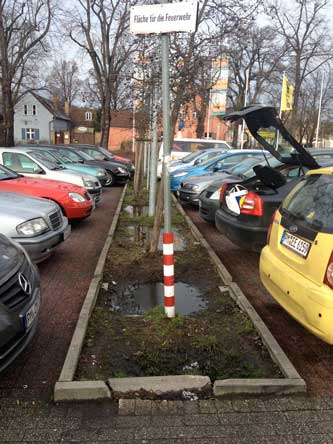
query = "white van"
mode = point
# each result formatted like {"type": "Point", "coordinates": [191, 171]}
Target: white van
{"type": "Point", "coordinates": [182, 147]}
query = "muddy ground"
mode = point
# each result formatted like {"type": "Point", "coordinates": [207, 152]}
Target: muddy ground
{"type": "Point", "coordinates": [128, 334]}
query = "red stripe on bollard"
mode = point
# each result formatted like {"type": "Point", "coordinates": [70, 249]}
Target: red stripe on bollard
{"type": "Point", "coordinates": [167, 238]}
{"type": "Point", "coordinates": [168, 259]}
{"type": "Point", "coordinates": [169, 280]}
{"type": "Point", "coordinates": [170, 301]}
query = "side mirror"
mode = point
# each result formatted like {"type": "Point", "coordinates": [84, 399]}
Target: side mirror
{"type": "Point", "coordinates": [216, 169]}
{"type": "Point", "coordinates": [37, 170]}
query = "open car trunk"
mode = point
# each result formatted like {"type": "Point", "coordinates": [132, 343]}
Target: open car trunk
{"type": "Point", "coordinates": [266, 127]}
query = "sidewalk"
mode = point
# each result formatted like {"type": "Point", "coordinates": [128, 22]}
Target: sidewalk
{"type": "Point", "coordinates": [269, 421]}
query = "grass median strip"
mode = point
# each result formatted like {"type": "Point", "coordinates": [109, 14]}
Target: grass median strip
{"type": "Point", "coordinates": [128, 334]}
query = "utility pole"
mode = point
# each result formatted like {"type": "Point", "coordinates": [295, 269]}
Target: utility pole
{"type": "Point", "coordinates": [169, 300]}
{"type": "Point", "coordinates": [319, 111]}
{"type": "Point", "coordinates": [245, 103]}
{"type": "Point", "coordinates": [154, 154]}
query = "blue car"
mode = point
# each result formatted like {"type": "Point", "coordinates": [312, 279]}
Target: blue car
{"type": "Point", "coordinates": [217, 164]}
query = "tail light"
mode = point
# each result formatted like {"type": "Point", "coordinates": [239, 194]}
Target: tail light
{"type": "Point", "coordinates": [328, 279]}
{"type": "Point", "coordinates": [252, 204]}
{"type": "Point", "coordinates": [223, 189]}
{"type": "Point", "coordinates": [270, 228]}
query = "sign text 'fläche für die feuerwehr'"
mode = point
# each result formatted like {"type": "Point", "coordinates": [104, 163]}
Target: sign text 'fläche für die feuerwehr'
{"type": "Point", "coordinates": [164, 18]}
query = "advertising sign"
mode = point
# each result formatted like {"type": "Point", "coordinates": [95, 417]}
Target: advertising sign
{"type": "Point", "coordinates": [164, 18]}
{"type": "Point", "coordinates": [220, 75]}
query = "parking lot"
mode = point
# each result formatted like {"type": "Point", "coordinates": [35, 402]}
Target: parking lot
{"type": "Point", "coordinates": [65, 278]}
{"type": "Point", "coordinates": [312, 358]}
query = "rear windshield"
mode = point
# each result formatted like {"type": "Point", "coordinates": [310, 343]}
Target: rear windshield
{"type": "Point", "coordinates": [189, 146]}
{"type": "Point", "coordinates": [311, 203]}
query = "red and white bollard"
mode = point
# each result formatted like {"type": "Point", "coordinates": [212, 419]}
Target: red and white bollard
{"type": "Point", "coordinates": [169, 279]}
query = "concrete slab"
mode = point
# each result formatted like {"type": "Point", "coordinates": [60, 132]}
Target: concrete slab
{"type": "Point", "coordinates": [229, 387]}
{"type": "Point", "coordinates": [155, 387]}
{"type": "Point", "coordinates": [81, 391]}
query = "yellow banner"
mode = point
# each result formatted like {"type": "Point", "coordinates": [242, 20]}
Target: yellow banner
{"type": "Point", "coordinates": [287, 95]}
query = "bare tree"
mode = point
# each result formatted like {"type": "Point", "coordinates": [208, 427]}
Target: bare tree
{"type": "Point", "coordinates": [100, 28]}
{"type": "Point", "coordinates": [23, 28]}
{"type": "Point", "coordinates": [64, 81]}
{"type": "Point", "coordinates": [304, 29]}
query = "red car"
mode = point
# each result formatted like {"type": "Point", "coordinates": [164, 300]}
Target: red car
{"type": "Point", "coordinates": [75, 201]}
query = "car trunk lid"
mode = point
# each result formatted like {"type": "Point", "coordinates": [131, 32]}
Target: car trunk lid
{"type": "Point", "coordinates": [266, 127]}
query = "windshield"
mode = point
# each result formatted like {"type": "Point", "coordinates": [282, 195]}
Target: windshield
{"type": "Point", "coordinates": [47, 159]}
{"type": "Point", "coordinates": [63, 159]}
{"type": "Point", "coordinates": [190, 157]}
{"type": "Point", "coordinates": [84, 155]}
{"type": "Point", "coordinates": [197, 145]}
{"type": "Point", "coordinates": [106, 152]}
{"type": "Point", "coordinates": [6, 174]}
{"type": "Point", "coordinates": [244, 165]}
{"type": "Point", "coordinates": [311, 203]}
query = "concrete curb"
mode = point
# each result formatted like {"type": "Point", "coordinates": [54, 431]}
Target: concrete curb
{"type": "Point", "coordinates": [68, 391]}
{"type": "Point", "coordinates": [293, 383]}
{"type": "Point", "coordinates": [81, 391]}
{"type": "Point", "coordinates": [163, 387]}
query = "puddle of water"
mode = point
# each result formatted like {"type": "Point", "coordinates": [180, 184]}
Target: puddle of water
{"type": "Point", "coordinates": [143, 234]}
{"type": "Point", "coordinates": [136, 210]}
{"type": "Point", "coordinates": [141, 298]}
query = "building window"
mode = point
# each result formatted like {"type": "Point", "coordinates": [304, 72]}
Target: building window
{"type": "Point", "coordinates": [88, 115]}
{"type": "Point", "coordinates": [194, 115]}
{"type": "Point", "coordinates": [25, 110]}
{"type": "Point", "coordinates": [34, 110]}
{"type": "Point", "coordinates": [30, 133]}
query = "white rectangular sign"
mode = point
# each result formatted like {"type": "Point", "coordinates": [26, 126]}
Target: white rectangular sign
{"type": "Point", "coordinates": [164, 18]}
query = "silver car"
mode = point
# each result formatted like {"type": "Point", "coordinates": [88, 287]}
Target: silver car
{"type": "Point", "coordinates": [36, 224]}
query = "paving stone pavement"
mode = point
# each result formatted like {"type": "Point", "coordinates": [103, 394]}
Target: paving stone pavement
{"type": "Point", "coordinates": [301, 420]}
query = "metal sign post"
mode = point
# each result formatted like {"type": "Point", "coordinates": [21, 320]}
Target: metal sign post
{"type": "Point", "coordinates": [162, 19]}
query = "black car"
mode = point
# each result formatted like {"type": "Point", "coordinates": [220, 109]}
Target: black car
{"type": "Point", "coordinates": [117, 172]}
{"type": "Point", "coordinates": [100, 153]}
{"type": "Point", "coordinates": [19, 300]}
{"type": "Point", "coordinates": [247, 207]}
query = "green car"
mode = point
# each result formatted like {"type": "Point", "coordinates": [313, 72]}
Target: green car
{"type": "Point", "coordinates": [61, 159]}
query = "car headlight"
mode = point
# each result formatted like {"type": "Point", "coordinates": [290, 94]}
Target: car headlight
{"type": "Point", "coordinates": [195, 187]}
{"type": "Point", "coordinates": [101, 174]}
{"type": "Point", "coordinates": [76, 197]}
{"type": "Point", "coordinates": [216, 195]}
{"type": "Point", "coordinates": [88, 183]}
{"type": "Point", "coordinates": [32, 227]}
{"type": "Point", "coordinates": [122, 170]}
{"type": "Point", "coordinates": [179, 174]}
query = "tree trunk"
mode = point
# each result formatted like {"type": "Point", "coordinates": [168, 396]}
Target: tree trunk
{"type": "Point", "coordinates": [201, 115]}
{"type": "Point", "coordinates": [139, 170]}
{"type": "Point", "coordinates": [8, 113]}
{"type": "Point", "coordinates": [158, 219]}
{"type": "Point", "coordinates": [105, 120]}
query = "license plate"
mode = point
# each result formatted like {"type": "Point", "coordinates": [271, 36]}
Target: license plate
{"type": "Point", "coordinates": [200, 203]}
{"type": "Point", "coordinates": [94, 205]}
{"type": "Point", "coordinates": [296, 244]}
{"type": "Point", "coordinates": [31, 314]}
{"type": "Point", "coordinates": [67, 232]}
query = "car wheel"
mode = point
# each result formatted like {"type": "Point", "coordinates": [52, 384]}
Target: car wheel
{"type": "Point", "coordinates": [110, 179]}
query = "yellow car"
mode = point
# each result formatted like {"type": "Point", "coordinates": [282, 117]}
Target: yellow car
{"type": "Point", "coordinates": [296, 266]}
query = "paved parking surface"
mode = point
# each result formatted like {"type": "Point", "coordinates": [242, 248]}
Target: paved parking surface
{"type": "Point", "coordinates": [65, 278]}
{"type": "Point", "coordinates": [312, 358]}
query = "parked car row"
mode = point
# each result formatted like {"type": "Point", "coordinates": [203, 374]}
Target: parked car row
{"type": "Point", "coordinates": [285, 200]}
{"type": "Point", "coordinates": [42, 190]}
